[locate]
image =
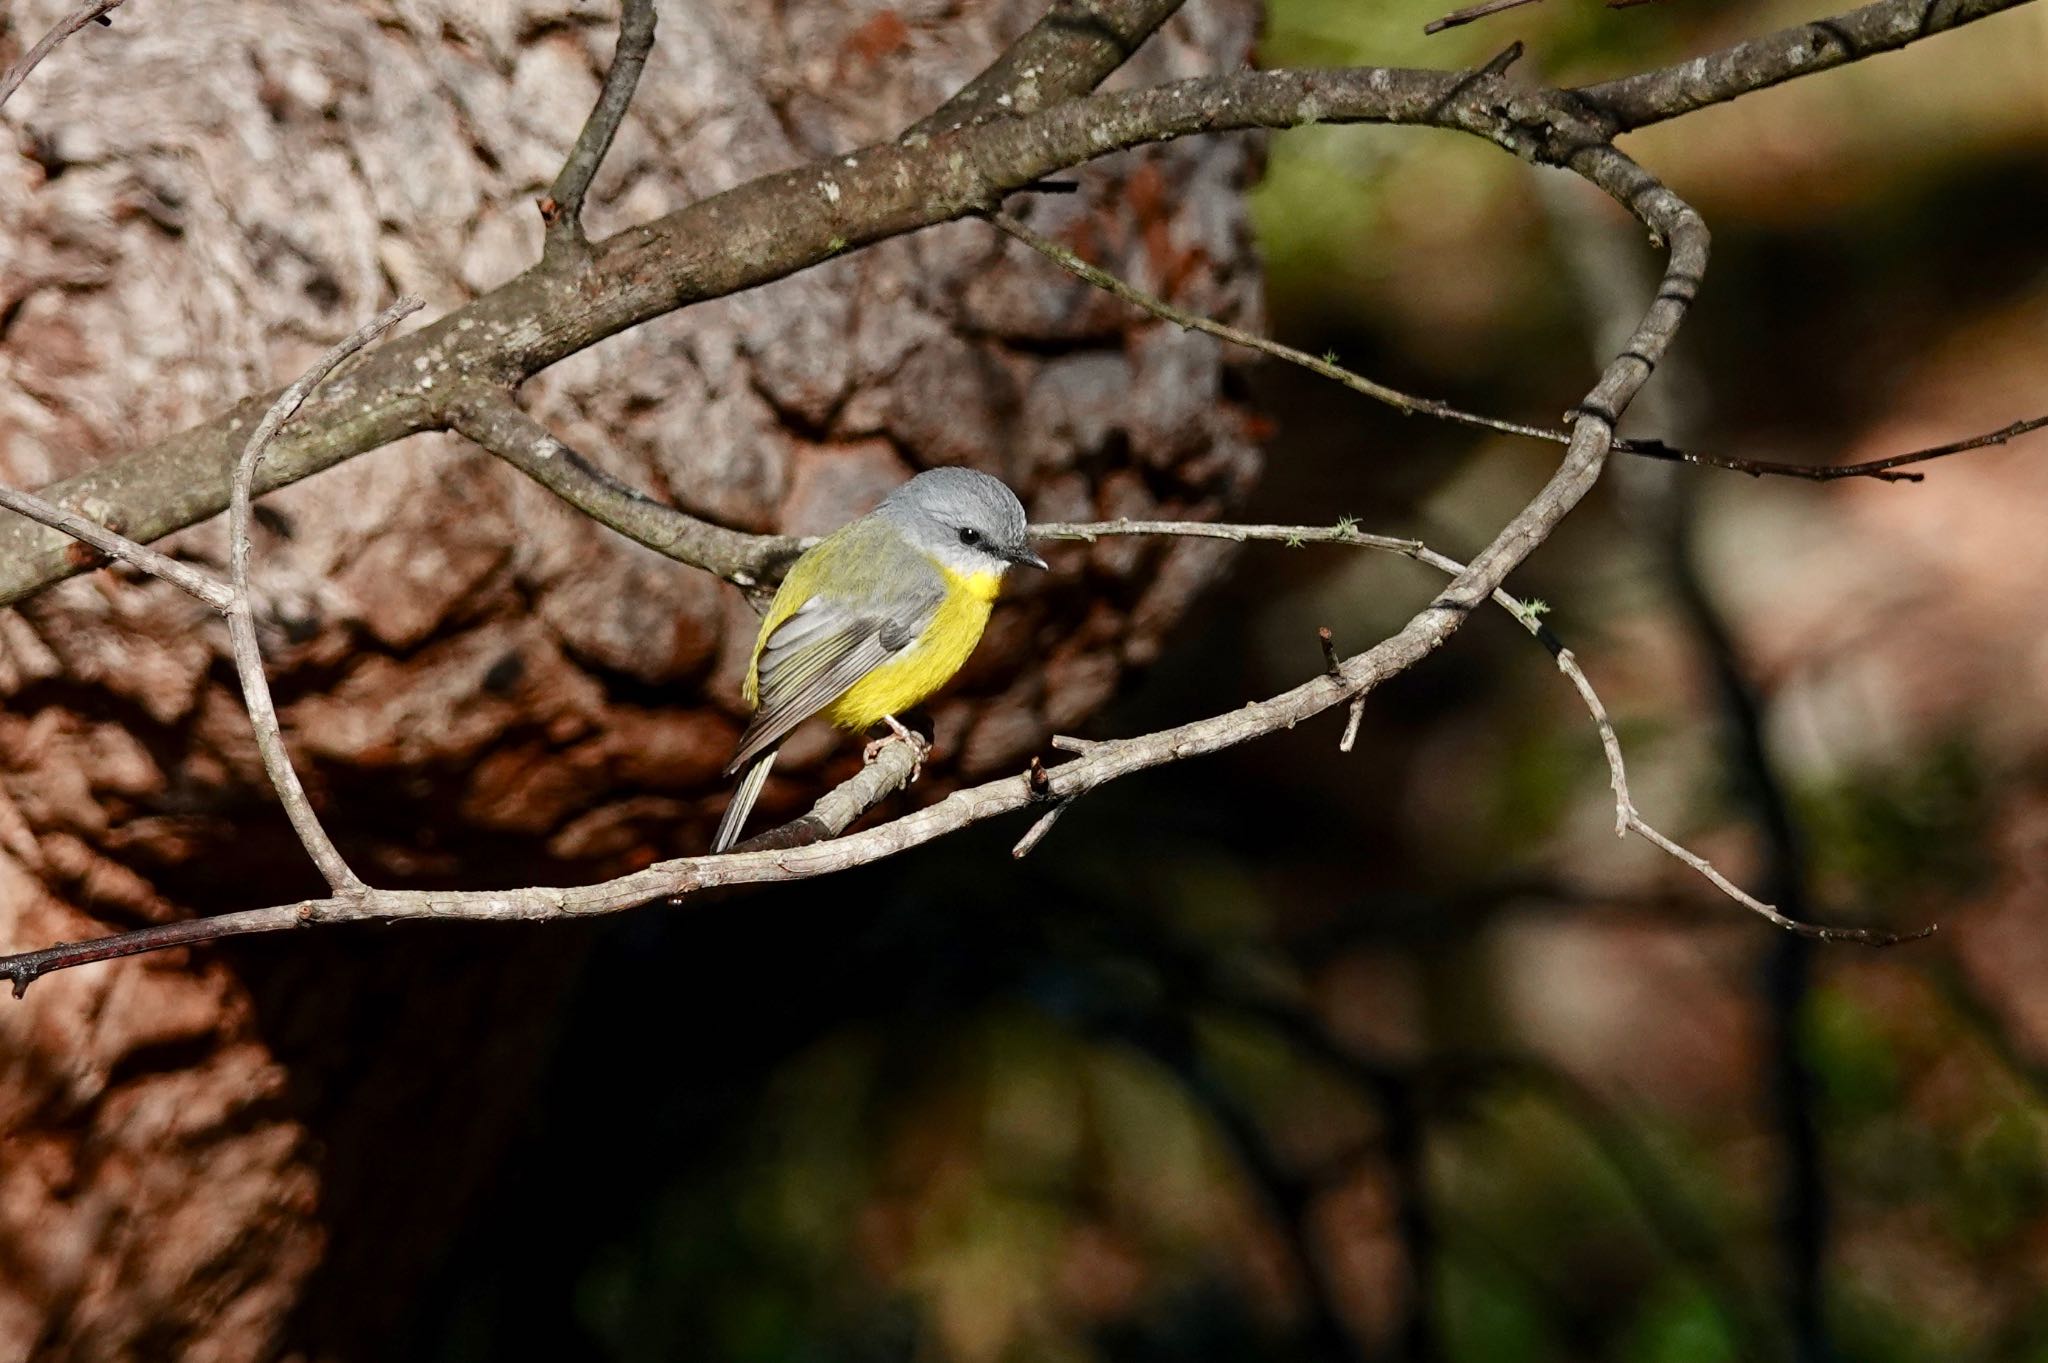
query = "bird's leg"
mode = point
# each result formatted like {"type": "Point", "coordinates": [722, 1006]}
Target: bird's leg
{"type": "Point", "coordinates": [918, 746]}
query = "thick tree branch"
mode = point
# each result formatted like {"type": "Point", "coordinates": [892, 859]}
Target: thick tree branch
{"type": "Point", "coordinates": [1070, 51]}
{"type": "Point", "coordinates": [1672, 91]}
{"type": "Point", "coordinates": [241, 615]}
{"type": "Point", "coordinates": [562, 208]}
{"type": "Point", "coordinates": [62, 29]}
{"type": "Point", "coordinates": [782, 223]}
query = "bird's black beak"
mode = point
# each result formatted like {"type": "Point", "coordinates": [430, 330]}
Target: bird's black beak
{"type": "Point", "coordinates": [1025, 557]}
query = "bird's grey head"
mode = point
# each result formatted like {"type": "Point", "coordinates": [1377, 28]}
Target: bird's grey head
{"type": "Point", "coordinates": [968, 521]}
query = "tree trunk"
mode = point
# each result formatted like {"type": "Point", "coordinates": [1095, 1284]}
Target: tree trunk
{"type": "Point", "coordinates": [249, 1152]}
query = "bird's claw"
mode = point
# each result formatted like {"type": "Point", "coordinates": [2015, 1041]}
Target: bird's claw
{"type": "Point", "coordinates": [919, 746]}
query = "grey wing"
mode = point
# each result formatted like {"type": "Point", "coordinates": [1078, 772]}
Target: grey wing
{"type": "Point", "coordinates": [815, 655]}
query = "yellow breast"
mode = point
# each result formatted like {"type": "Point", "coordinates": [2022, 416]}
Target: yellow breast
{"type": "Point", "coordinates": [927, 664]}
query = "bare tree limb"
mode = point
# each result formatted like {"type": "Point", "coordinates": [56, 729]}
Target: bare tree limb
{"type": "Point", "coordinates": [1071, 50]}
{"type": "Point", "coordinates": [494, 420]}
{"type": "Point", "coordinates": [1672, 91]}
{"type": "Point", "coordinates": [562, 208]}
{"type": "Point", "coordinates": [1875, 468]}
{"type": "Point", "coordinates": [64, 28]}
{"type": "Point", "coordinates": [890, 770]}
{"type": "Point", "coordinates": [782, 223]}
{"type": "Point", "coordinates": [241, 615]}
{"type": "Point", "coordinates": [1193, 321]}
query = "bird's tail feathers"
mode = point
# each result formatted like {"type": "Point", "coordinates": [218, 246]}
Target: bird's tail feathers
{"type": "Point", "coordinates": [742, 802]}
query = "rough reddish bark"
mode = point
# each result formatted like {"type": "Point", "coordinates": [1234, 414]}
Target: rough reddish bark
{"type": "Point", "coordinates": [249, 1152]}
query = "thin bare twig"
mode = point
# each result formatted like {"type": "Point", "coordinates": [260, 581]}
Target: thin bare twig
{"type": "Point", "coordinates": [1471, 13]}
{"type": "Point", "coordinates": [1327, 367]}
{"type": "Point", "coordinates": [1883, 470]}
{"type": "Point", "coordinates": [562, 208]}
{"type": "Point", "coordinates": [1036, 833]}
{"type": "Point", "coordinates": [64, 28]}
{"type": "Point", "coordinates": [1871, 468]}
{"type": "Point", "coordinates": [206, 587]}
{"type": "Point", "coordinates": [242, 617]}
{"type": "Point", "coordinates": [891, 767]}
{"type": "Point", "coordinates": [1627, 819]}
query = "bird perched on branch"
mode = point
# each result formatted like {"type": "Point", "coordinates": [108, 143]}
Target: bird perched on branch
{"type": "Point", "coordinates": [877, 616]}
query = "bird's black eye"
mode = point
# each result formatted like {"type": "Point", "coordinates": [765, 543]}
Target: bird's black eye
{"type": "Point", "coordinates": [969, 535]}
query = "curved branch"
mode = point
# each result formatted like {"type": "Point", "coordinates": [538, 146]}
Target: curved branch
{"type": "Point", "coordinates": [492, 419]}
{"type": "Point", "coordinates": [62, 29]}
{"type": "Point", "coordinates": [241, 616]}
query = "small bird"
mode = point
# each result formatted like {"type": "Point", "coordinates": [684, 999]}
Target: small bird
{"type": "Point", "coordinates": [877, 616]}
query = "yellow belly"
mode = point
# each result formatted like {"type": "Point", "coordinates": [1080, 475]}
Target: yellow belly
{"type": "Point", "coordinates": [926, 665]}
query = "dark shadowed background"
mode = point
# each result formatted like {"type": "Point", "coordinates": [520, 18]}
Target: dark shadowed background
{"type": "Point", "coordinates": [1287, 1054]}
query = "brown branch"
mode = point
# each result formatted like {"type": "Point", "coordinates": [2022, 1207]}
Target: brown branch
{"type": "Point", "coordinates": [492, 419]}
{"type": "Point", "coordinates": [1869, 468]}
{"type": "Point", "coordinates": [241, 616]}
{"type": "Point", "coordinates": [782, 223]}
{"type": "Point", "coordinates": [562, 209]}
{"type": "Point", "coordinates": [64, 28]}
{"type": "Point", "coordinates": [1102, 279]}
{"type": "Point", "coordinates": [1883, 470]}
{"type": "Point", "coordinates": [1471, 13]}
